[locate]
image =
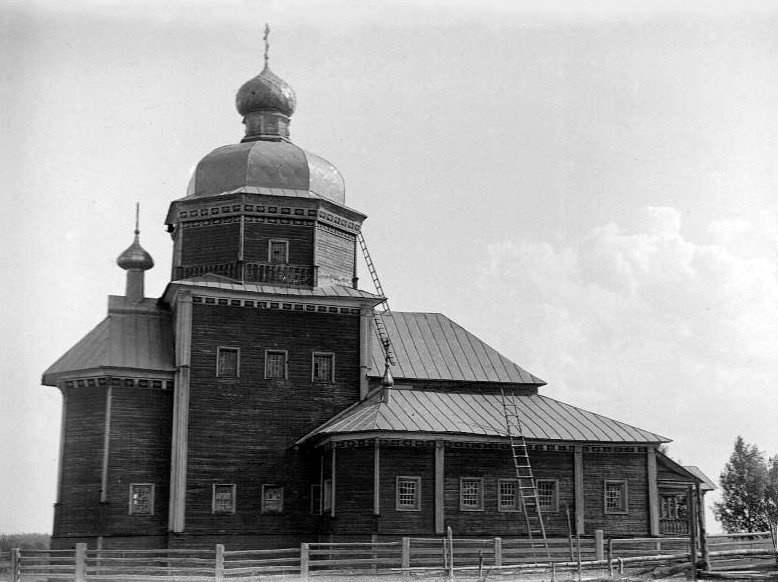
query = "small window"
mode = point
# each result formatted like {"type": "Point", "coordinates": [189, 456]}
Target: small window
{"type": "Point", "coordinates": [508, 495]}
{"type": "Point", "coordinates": [408, 494]}
{"type": "Point", "coordinates": [323, 369]}
{"type": "Point", "coordinates": [616, 497]}
{"type": "Point", "coordinates": [227, 362]}
{"type": "Point", "coordinates": [316, 499]}
{"type": "Point", "coordinates": [327, 495]}
{"type": "Point", "coordinates": [471, 494]}
{"type": "Point", "coordinates": [275, 365]}
{"type": "Point", "coordinates": [548, 494]}
{"type": "Point", "coordinates": [272, 499]}
{"type": "Point", "coordinates": [141, 499]}
{"type": "Point", "coordinates": [278, 251]}
{"type": "Point", "coordinates": [223, 498]}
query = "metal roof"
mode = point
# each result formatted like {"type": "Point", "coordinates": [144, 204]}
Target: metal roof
{"type": "Point", "coordinates": [429, 346]}
{"type": "Point", "coordinates": [134, 340]}
{"type": "Point", "coordinates": [409, 410]}
{"type": "Point", "coordinates": [707, 484]}
{"type": "Point", "coordinates": [214, 281]}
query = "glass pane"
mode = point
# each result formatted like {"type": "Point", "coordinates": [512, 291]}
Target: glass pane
{"type": "Point", "coordinates": [228, 363]}
{"type": "Point", "coordinates": [508, 495]}
{"type": "Point", "coordinates": [274, 363]}
{"type": "Point", "coordinates": [407, 493]}
{"type": "Point", "coordinates": [223, 499]}
{"type": "Point", "coordinates": [140, 503]}
{"type": "Point", "coordinates": [273, 499]}
{"type": "Point", "coordinates": [322, 368]}
{"type": "Point", "coordinates": [278, 252]}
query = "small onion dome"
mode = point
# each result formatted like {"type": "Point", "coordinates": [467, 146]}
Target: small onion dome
{"type": "Point", "coordinates": [135, 257]}
{"type": "Point", "coordinates": [388, 380]}
{"type": "Point", "coordinates": [266, 91]}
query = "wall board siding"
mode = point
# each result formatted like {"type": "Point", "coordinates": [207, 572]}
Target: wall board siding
{"type": "Point", "coordinates": [215, 243]}
{"type": "Point", "coordinates": [242, 430]}
{"type": "Point", "coordinates": [258, 236]}
{"type": "Point", "coordinates": [335, 255]}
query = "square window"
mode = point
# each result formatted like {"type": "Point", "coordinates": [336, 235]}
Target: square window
{"type": "Point", "coordinates": [616, 497]}
{"type": "Point", "coordinates": [408, 494]}
{"type": "Point", "coordinates": [272, 499]}
{"type": "Point", "coordinates": [275, 365]}
{"type": "Point", "coordinates": [548, 494]}
{"type": "Point", "coordinates": [227, 362]}
{"type": "Point", "coordinates": [278, 251]}
{"type": "Point", "coordinates": [141, 499]}
{"type": "Point", "coordinates": [471, 494]}
{"type": "Point", "coordinates": [323, 369]}
{"type": "Point", "coordinates": [508, 495]}
{"type": "Point", "coordinates": [327, 495]}
{"type": "Point", "coordinates": [223, 498]}
{"type": "Point", "coordinates": [316, 499]}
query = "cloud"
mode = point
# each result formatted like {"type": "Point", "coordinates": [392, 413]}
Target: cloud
{"type": "Point", "coordinates": [673, 335]}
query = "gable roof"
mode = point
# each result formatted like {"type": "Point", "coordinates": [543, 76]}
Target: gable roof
{"type": "Point", "coordinates": [133, 340]}
{"type": "Point", "coordinates": [429, 346]}
{"type": "Point", "coordinates": [408, 410]}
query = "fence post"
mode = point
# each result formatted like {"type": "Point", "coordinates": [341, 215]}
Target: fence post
{"type": "Point", "coordinates": [406, 556]}
{"type": "Point", "coordinates": [218, 567]}
{"type": "Point", "coordinates": [304, 562]}
{"type": "Point", "coordinates": [599, 546]}
{"type": "Point", "coordinates": [610, 557]}
{"type": "Point", "coordinates": [15, 565]}
{"type": "Point", "coordinates": [498, 552]}
{"type": "Point", "coordinates": [80, 563]}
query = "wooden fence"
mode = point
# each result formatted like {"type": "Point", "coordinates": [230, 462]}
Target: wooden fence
{"type": "Point", "coordinates": [408, 555]}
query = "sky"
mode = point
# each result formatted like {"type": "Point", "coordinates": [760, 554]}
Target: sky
{"type": "Point", "coordinates": [588, 187]}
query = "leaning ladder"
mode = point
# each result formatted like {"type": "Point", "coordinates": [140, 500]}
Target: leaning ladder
{"type": "Point", "coordinates": [526, 488]}
{"type": "Point", "coordinates": [378, 316]}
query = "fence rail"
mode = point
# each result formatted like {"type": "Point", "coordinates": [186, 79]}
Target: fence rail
{"type": "Point", "coordinates": [400, 557]}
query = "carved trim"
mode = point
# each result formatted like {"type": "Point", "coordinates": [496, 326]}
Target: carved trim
{"type": "Point", "coordinates": [280, 305]}
{"type": "Point", "coordinates": [120, 382]}
{"type": "Point", "coordinates": [263, 213]}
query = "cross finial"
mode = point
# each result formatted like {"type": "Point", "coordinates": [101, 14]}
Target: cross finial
{"type": "Point", "coordinates": [137, 218]}
{"type": "Point", "coordinates": [267, 43]}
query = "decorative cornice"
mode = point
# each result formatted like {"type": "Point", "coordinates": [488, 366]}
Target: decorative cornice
{"type": "Point", "coordinates": [279, 305]}
{"type": "Point", "coordinates": [118, 381]}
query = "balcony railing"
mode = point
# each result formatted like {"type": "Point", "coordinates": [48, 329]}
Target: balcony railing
{"type": "Point", "coordinates": [673, 526]}
{"type": "Point", "coordinates": [273, 273]}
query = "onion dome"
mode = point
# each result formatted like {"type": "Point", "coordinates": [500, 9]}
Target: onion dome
{"type": "Point", "coordinates": [266, 91]}
{"type": "Point", "coordinates": [266, 167]}
{"type": "Point", "coordinates": [135, 256]}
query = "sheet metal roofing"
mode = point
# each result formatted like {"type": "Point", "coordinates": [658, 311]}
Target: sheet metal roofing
{"type": "Point", "coordinates": [429, 346]}
{"type": "Point", "coordinates": [707, 484]}
{"type": "Point", "coordinates": [409, 410]}
{"type": "Point", "coordinates": [141, 340]}
{"type": "Point", "coordinates": [218, 282]}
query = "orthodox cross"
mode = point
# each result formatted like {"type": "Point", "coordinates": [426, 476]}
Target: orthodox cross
{"type": "Point", "coordinates": [267, 43]}
{"type": "Point", "coordinates": [137, 218]}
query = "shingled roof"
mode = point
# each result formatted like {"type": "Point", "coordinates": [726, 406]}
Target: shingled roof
{"type": "Point", "coordinates": [429, 346]}
{"type": "Point", "coordinates": [412, 411]}
{"type": "Point", "coordinates": [139, 339]}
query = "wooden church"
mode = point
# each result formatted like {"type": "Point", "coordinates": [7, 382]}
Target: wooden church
{"type": "Point", "coordinates": [263, 400]}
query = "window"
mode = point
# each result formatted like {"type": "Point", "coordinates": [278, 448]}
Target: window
{"type": "Point", "coordinates": [141, 499]}
{"type": "Point", "coordinates": [275, 365]}
{"type": "Point", "coordinates": [272, 499]}
{"type": "Point", "coordinates": [508, 495]}
{"type": "Point", "coordinates": [615, 497]}
{"type": "Point", "coordinates": [223, 498]}
{"type": "Point", "coordinates": [323, 369]}
{"type": "Point", "coordinates": [471, 494]}
{"type": "Point", "coordinates": [548, 494]}
{"type": "Point", "coordinates": [672, 507]}
{"type": "Point", "coordinates": [408, 494]}
{"type": "Point", "coordinates": [327, 495]}
{"type": "Point", "coordinates": [227, 362]}
{"type": "Point", "coordinates": [316, 499]}
{"type": "Point", "coordinates": [278, 251]}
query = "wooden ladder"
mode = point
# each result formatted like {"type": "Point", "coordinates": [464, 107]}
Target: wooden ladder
{"type": "Point", "coordinates": [526, 488]}
{"type": "Point", "coordinates": [378, 316]}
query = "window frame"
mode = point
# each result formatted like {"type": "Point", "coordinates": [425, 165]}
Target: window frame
{"type": "Point", "coordinates": [517, 497]}
{"type": "Point", "coordinates": [555, 505]}
{"type": "Point", "coordinates": [151, 499]}
{"type": "Point", "coordinates": [480, 481]}
{"type": "Point", "coordinates": [286, 364]}
{"type": "Point", "coordinates": [417, 494]}
{"type": "Point", "coordinates": [326, 496]}
{"type": "Point", "coordinates": [270, 251]}
{"type": "Point", "coordinates": [233, 499]}
{"type": "Point", "coordinates": [219, 350]}
{"type": "Point", "coordinates": [625, 497]}
{"type": "Point", "coordinates": [264, 509]}
{"type": "Point", "coordinates": [332, 368]}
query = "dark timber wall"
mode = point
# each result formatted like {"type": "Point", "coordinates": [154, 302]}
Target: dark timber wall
{"type": "Point", "coordinates": [617, 466]}
{"type": "Point", "coordinates": [335, 254]}
{"type": "Point", "coordinates": [214, 243]}
{"type": "Point", "coordinates": [257, 238]}
{"type": "Point", "coordinates": [242, 430]}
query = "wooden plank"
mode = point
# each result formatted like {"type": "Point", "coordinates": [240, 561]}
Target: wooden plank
{"type": "Point", "coordinates": [376, 478]}
{"type": "Point", "coordinates": [653, 492]}
{"type": "Point", "coordinates": [579, 489]}
{"type": "Point", "coordinates": [440, 481]}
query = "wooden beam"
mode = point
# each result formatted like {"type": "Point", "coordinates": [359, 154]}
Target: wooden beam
{"type": "Point", "coordinates": [653, 492]}
{"type": "Point", "coordinates": [332, 477]}
{"type": "Point", "coordinates": [365, 348]}
{"type": "Point", "coordinates": [440, 454]}
{"type": "Point", "coordinates": [376, 478]}
{"type": "Point", "coordinates": [106, 445]}
{"type": "Point", "coordinates": [579, 489]}
{"type": "Point", "coordinates": [60, 462]}
{"type": "Point", "coordinates": [180, 436]}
